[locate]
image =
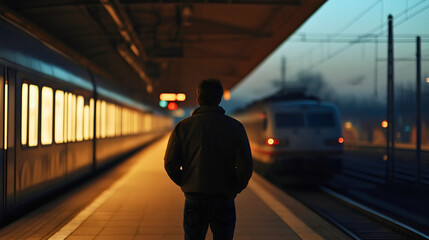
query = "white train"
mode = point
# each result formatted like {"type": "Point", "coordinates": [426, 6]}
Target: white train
{"type": "Point", "coordinates": [295, 133]}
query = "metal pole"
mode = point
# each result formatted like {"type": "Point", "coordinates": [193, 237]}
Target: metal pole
{"type": "Point", "coordinates": [283, 76]}
{"type": "Point", "coordinates": [390, 104]}
{"type": "Point", "coordinates": [418, 115]}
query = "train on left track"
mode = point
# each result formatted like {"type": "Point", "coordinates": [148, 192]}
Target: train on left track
{"type": "Point", "coordinates": [59, 120]}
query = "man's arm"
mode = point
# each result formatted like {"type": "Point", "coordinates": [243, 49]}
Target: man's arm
{"type": "Point", "coordinates": [244, 162]}
{"type": "Point", "coordinates": [173, 158]}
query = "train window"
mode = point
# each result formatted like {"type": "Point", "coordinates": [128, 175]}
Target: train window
{"type": "Point", "coordinates": [111, 120]}
{"type": "Point", "coordinates": [289, 120]}
{"type": "Point", "coordinates": [71, 115]}
{"type": "Point", "coordinates": [65, 124]}
{"type": "Point", "coordinates": [103, 119]}
{"type": "Point", "coordinates": [79, 118]}
{"type": "Point", "coordinates": [124, 121]}
{"type": "Point", "coordinates": [24, 114]}
{"type": "Point", "coordinates": [118, 121]}
{"type": "Point", "coordinates": [148, 123]}
{"type": "Point", "coordinates": [135, 118]}
{"type": "Point", "coordinates": [86, 122]}
{"type": "Point", "coordinates": [98, 119]}
{"type": "Point", "coordinates": [59, 116]}
{"type": "Point", "coordinates": [91, 118]}
{"type": "Point", "coordinates": [47, 115]}
{"type": "Point", "coordinates": [33, 115]}
{"type": "Point", "coordinates": [320, 120]}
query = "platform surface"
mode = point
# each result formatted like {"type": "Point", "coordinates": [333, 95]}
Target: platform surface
{"type": "Point", "coordinates": [137, 200]}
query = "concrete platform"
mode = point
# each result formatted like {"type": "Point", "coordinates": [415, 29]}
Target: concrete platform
{"type": "Point", "coordinates": [137, 200]}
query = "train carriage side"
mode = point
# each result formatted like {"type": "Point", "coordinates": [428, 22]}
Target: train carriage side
{"type": "Point", "coordinates": [123, 125]}
{"type": "Point", "coordinates": [45, 109]}
{"type": "Point", "coordinates": [54, 128]}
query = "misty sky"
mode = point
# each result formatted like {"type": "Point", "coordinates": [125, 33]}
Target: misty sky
{"type": "Point", "coordinates": [348, 62]}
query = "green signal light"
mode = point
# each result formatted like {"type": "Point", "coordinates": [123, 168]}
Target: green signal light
{"type": "Point", "coordinates": [163, 103]}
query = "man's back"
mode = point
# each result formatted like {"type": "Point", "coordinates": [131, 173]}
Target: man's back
{"type": "Point", "coordinates": [213, 147]}
{"type": "Point", "coordinates": [208, 156]}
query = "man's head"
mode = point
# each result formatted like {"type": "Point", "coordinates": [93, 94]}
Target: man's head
{"type": "Point", "coordinates": [210, 92]}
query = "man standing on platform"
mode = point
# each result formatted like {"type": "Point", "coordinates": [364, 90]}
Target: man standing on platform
{"type": "Point", "coordinates": [208, 156]}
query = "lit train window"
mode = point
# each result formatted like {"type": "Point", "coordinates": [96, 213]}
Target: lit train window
{"type": "Point", "coordinates": [71, 118]}
{"type": "Point", "coordinates": [110, 120]}
{"type": "Point", "coordinates": [118, 121]}
{"type": "Point", "coordinates": [148, 123]}
{"type": "Point", "coordinates": [59, 116]}
{"type": "Point", "coordinates": [91, 118]}
{"type": "Point", "coordinates": [124, 121]}
{"type": "Point", "coordinates": [135, 122]}
{"type": "Point", "coordinates": [47, 115]}
{"type": "Point", "coordinates": [65, 124]}
{"type": "Point", "coordinates": [103, 119]}
{"type": "Point", "coordinates": [79, 118]}
{"type": "Point", "coordinates": [24, 114]}
{"type": "Point", "coordinates": [33, 115]}
{"type": "Point", "coordinates": [86, 122]}
{"type": "Point", "coordinates": [98, 119]}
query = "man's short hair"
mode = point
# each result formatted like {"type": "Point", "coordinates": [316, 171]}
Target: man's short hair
{"type": "Point", "coordinates": [210, 92]}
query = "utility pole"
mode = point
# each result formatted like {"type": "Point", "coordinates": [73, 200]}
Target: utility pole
{"type": "Point", "coordinates": [418, 112]}
{"type": "Point", "coordinates": [390, 166]}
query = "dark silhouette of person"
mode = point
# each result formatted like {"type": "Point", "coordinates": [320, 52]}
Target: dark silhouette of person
{"type": "Point", "coordinates": [208, 156]}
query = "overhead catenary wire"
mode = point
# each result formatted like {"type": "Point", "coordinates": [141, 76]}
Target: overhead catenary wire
{"type": "Point", "coordinates": [370, 35]}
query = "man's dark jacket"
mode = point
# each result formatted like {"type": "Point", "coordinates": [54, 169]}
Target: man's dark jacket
{"type": "Point", "coordinates": [213, 151]}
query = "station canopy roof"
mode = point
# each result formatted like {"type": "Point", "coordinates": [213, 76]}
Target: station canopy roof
{"type": "Point", "coordinates": [148, 47]}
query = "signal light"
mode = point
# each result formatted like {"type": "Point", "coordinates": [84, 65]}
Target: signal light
{"type": "Point", "coordinates": [171, 97]}
{"type": "Point", "coordinates": [167, 97]}
{"type": "Point", "coordinates": [172, 106]}
{"type": "Point", "coordinates": [180, 97]}
{"type": "Point", "coordinates": [163, 103]}
{"type": "Point", "coordinates": [272, 141]}
{"type": "Point", "coordinates": [340, 140]}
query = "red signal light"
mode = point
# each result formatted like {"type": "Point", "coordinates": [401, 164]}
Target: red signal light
{"type": "Point", "coordinates": [172, 106]}
{"type": "Point", "coordinates": [272, 141]}
{"type": "Point", "coordinates": [340, 140]}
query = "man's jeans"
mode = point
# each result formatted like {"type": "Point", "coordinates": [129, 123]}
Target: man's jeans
{"type": "Point", "coordinates": [200, 213]}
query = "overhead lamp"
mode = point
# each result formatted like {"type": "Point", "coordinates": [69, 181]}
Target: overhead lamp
{"type": "Point", "coordinates": [186, 15]}
{"type": "Point", "coordinates": [112, 12]}
{"type": "Point", "coordinates": [135, 50]}
{"type": "Point", "coordinates": [227, 95]}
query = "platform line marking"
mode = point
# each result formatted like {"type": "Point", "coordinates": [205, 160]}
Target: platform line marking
{"type": "Point", "coordinates": [77, 220]}
{"type": "Point", "coordinates": [300, 228]}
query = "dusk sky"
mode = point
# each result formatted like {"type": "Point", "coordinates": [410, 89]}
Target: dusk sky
{"type": "Point", "coordinates": [338, 42]}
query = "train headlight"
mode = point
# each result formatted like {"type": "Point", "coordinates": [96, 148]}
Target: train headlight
{"type": "Point", "coordinates": [272, 141]}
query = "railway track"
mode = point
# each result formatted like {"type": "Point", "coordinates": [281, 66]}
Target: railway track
{"type": "Point", "coordinates": [358, 221]}
{"type": "Point", "coordinates": [376, 171]}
